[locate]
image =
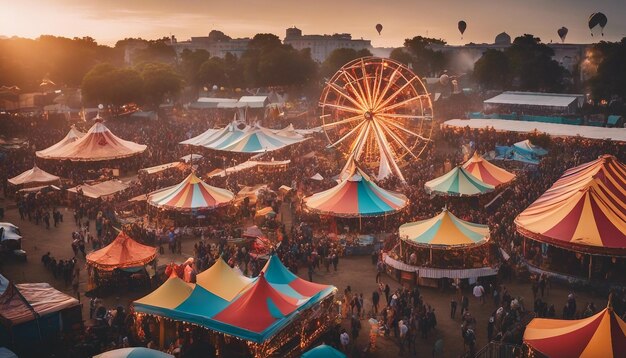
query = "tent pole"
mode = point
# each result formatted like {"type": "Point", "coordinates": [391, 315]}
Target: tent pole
{"type": "Point", "coordinates": [431, 255]}
{"type": "Point", "coordinates": [162, 333]}
{"type": "Point", "coordinates": [590, 265]}
{"type": "Point", "coordinates": [524, 248]}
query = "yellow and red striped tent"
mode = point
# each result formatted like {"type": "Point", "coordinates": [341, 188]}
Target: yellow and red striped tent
{"type": "Point", "coordinates": [602, 335]}
{"type": "Point", "coordinates": [486, 171]}
{"type": "Point", "coordinates": [585, 210]}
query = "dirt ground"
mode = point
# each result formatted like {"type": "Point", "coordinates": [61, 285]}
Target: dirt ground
{"type": "Point", "coordinates": [358, 272]}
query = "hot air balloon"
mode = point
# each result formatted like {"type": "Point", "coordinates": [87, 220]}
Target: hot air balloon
{"type": "Point", "coordinates": [597, 19]}
{"type": "Point", "coordinates": [379, 28]}
{"type": "Point", "coordinates": [462, 26]}
{"type": "Point", "coordinates": [562, 33]}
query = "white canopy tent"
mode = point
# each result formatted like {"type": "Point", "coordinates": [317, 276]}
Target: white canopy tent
{"type": "Point", "coordinates": [566, 103]}
{"type": "Point", "coordinates": [100, 190]}
{"type": "Point", "coordinates": [553, 129]}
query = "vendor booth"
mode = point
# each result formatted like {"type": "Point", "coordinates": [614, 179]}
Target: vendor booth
{"type": "Point", "coordinates": [121, 263]}
{"type": "Point", "coordinates": [274, 313]}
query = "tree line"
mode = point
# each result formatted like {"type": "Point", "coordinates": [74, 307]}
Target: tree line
{"type": "Point", "coordinates": [160, 73]}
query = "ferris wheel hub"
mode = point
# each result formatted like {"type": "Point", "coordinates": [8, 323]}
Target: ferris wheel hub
{"type": "Point", "coordinates": [368, 115]}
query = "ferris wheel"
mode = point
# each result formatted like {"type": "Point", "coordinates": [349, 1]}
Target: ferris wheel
{"type": "Point", "coordinates": [378, 113]}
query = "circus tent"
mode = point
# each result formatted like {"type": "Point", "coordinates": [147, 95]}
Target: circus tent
{"type": "Point", "coordinates": [444, 231]}
{"type": "Point", "coordinates": [71, 136]}
{"type": "Point", "coordinates": [123, 252]}
{"type": "Point", "coordinates": [486, 171]}
{"type": "Point", "coordinates": [133, 352]}
{"type": "Point", "coordinates": [225, 301]}
{"type": "Point", "coordinates": [34, 177]}
{"type": "Point", "coordinates": [584, 211]}
{"type": "Point", "coordinates": [289, 132]}
{"type": "Point", "coordinates": [99, 143]}
{"type": "Point", "coordinates": [601, 335]}
{"type": "Point", "coordinates": [231, 138]}
{"type": "Point", "coordinates": [458, 182]}
{"type": "Point", "coordinates": [191, 194]}
{"type": "Point", "coordinates": [356, 196]}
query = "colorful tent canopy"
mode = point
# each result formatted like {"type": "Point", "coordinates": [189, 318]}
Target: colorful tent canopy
{"type": "Point", "coordinates": [601, 335]}
{"type": "Point", "coordinates": [486, 171]}
{"type": "Point", "coordinates": [222, 280]}
{"type": "Point", "coordinates": [35, 177]}
{"type": "Point", "coordinates": [323, 351]}
{"type": "Point", "coordinates": [527, 148]}
{"type": "Point", "coordinates": [289, 284]}
{"type": "Point", "coordinates": [444, 231]}
{"type": "Point", "coordinates": [123, 252]}
{"type": "Point", "coordinates": [71, 136]}
{"type": "Point", "coordinates": [98, 144]}
{"type": "Point", "coordinates": [226, 301]}
{"type": "Point", "coordinates": [458, 182]}
{"type": "Point", "coordinates": [191, 194]}
{"type": "Point", "coordinates": [134, 352]}
{"type": "Point", "coordinates": [585, 210]}
{"type": "Point", "coordinates": [231, 138]}
{"type": "Point", "coordinates": [261, 301]}
{"type": "Point", "coordinates": [356, 196]}
{"type": "Point", "coordinates": [289, 132]}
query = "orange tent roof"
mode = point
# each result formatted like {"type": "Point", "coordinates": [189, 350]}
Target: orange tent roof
{"type": "Point", "coordinates": [601, 335]}
{"type": "Point", "coordinates": [486, 171]}
{"type": "Point", "coordinates": [98, 144]}
{"type": "Point", "coordinates": [584, 210]}
{"type": "Point", "coordinates": [121, 253]}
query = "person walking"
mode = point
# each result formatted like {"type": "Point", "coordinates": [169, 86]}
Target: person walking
{"type": "Point", "coordinates": [344, 339]}
{"type": "Point", "coordinates": [453, 305]}
{"type": "Point", "coordinates": [375, 301]}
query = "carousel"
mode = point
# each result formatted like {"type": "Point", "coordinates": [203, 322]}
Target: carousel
{"type": "Point", "coordinates": [122, 263]}
{"type": "Point", "coordinates": [576, 230]}
{"type": "Point", "coordinates": [188, 201]}
{"type": "Point", "coordinates": [442, 247]}
{"type": "Point", "coordinates": [276, 313]}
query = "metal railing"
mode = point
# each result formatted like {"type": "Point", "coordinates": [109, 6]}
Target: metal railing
{"type": "Point", "coordinates": [499, 350]}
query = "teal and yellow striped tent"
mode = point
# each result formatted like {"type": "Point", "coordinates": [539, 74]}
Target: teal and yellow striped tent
{"type": "Point", "coordinates": [458, 182]}
{"type": "Point", "coordinates": [444, 231]}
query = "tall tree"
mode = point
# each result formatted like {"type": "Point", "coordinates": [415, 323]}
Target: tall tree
{"type": "Point", "coordinates": [609, 79]}
{"type": "Point", "coordinates": [492, 70]}
{"type": "Point", "coordinates": [159, 81]}
{"type": "Point", "coordinates": [423, 59]}
{"type": "Point", "coordinates": [533, 67]}
{"type": "Point", "coordinates": [191, 62]}
{"type": "Point", "coordinates": [110, 85]}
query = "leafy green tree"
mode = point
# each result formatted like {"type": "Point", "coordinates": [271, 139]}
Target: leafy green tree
{"type": "Point", "coordinates": [212, 72]}
{"type": "Point", "coordinates": [533, 67]}
{"type": "Point", "coordinates": [609, 79]}
{"type": "Point", "coordinates": [340, 57]}
{"type": "Point", "coordinates": [401, 55]}
{"type": "Point", "coordinates": [108, 84]}
{"type": "Point", "coordinates": [157, 51]}
{"type": "Point", "coordinates": [191, 62]}
{"type": "Point", "coordinates": [159, 81]}
{"type": "Point", "coordinates": [424, 60]}
{"type": "Point", "coordinates": [492, 70]}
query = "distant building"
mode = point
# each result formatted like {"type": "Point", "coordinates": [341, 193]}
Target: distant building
{"type": "Point", "coordinates": [216, 43]}
{"type": "Point", "coordinates": [464, 57]}
{"type": "Point", "coordinates": [322, 45]}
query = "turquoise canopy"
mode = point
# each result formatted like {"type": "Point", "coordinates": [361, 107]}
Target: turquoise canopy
{"type": "Point", "coordinates": [458, 182]}
{"type": "Point", "coordinates": [323, 351]}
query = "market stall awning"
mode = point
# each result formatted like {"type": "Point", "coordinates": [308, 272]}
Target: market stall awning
{"type": "Point", "coordinates": [25, 302]}
{"type": "Point", "coordinates": [123, 252]}
{"type": "Point", "coordinates": [191, 194]}
{"type": "Point", "coordinates": [100, 190]}
{"type": "Point", "coordinates": [356, 196]}
{"type": "Point", "coordinates": [290, 132]}
{"type": "Point", "coordinates": [486, 171]}
{"type": "Point", "coordinates": [585, 210]}
{"type": "Point", "coordinates": [458, 182]}
{"type": "Point", "coordinates": [601, 335]}
{"type": "Point", "coordinates": [35, 177]}
{"type": "Point", "coordinates": [98, 144]}
{"type": "Point", "coordinates": [162, 167]}
{"type": "Point", "coordinates": [444, 231]}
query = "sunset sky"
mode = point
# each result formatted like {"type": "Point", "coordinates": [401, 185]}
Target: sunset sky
{"type": "Point", "coordinates": [110, 20]}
